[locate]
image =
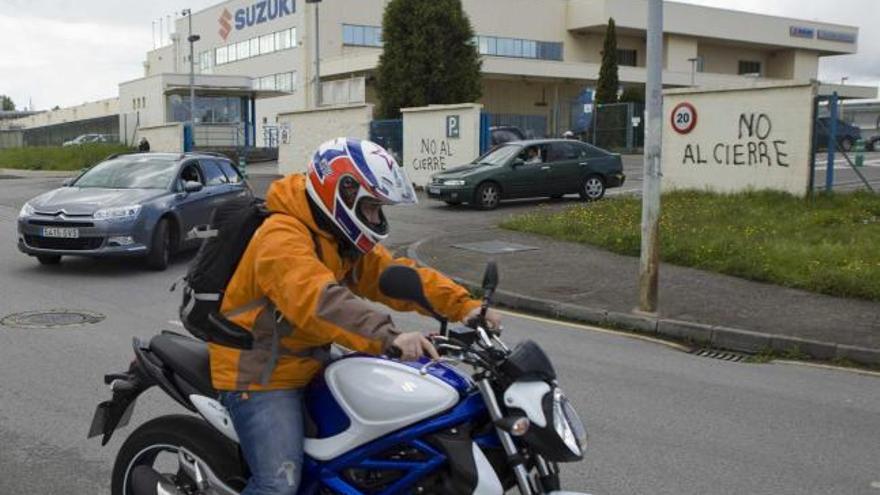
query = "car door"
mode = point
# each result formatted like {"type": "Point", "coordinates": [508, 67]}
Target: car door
{"type": "Point", "coordinates": [525, 178]}
{"type": "Point", "coordinates": [236, 185]}
{"type": "Point", "coordinates": [564, 158]}
{"type": "Point", "coordinates": [194, 208]}
{"type": "Point", "coordinates": [216, 182]}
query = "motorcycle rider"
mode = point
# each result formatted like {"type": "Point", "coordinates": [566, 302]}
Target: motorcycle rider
{"type": "Point", "coordinates": [299, 288]}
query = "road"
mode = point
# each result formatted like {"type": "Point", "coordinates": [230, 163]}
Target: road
{"type": "Point", "coordinates": [661, 421]}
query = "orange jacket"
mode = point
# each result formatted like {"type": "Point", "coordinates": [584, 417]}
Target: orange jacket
{"type": "Point", "coordinates": [297, 295]}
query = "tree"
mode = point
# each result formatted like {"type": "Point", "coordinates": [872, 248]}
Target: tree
{"type": "Point", "coordinates": [6, 103]}
{"type": "Point", "coordinates": [429, 56]}
{"type": "Point", "coordinates": [606, 91]}
{"type": "Point", "coordinates": [635, 94]}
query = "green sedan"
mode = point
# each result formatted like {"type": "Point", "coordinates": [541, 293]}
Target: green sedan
{"type": "Point", "coordinates": [528, 169]}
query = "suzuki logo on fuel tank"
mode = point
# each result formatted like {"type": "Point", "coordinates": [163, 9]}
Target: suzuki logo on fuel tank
{"type": "Point", "coordinates": [263, 11]}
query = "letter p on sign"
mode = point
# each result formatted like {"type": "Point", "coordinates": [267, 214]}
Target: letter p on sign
{"type": "Point", "coordinates": [452, 128]}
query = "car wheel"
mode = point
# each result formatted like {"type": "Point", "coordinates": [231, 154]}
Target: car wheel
{"type": "Point", "coordinates": [872, 145]}
{"type": "Point", "coordinates": [160, 248]}
{"type": "Point", "coordinates": [487, 196]}
{"type": "Point", "coordinates": [453, 203]}
{"type": "Point", "coordinates": [593, 188]}
{"type": "Point", "coordinates": [846, 144]}
{"type": "Point", "coordinates": [49, 259]}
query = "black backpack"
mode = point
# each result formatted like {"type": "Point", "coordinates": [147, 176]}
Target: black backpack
{"type": "Point", "coordinates": [231, 228]}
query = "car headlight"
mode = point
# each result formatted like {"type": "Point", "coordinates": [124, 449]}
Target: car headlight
{"type": "Point", "coordinates": [456, 182]}
{"type": "Point", "coordinates": [118, 213]}
{"type": "Point", "coordinates": [568, 424]}
{"type": "Point", "coordinates": [26, 210]}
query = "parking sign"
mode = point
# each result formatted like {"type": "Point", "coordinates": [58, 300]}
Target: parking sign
{"type": "Point", "coordinates": [452, 126]}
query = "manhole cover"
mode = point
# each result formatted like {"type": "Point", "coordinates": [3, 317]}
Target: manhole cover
{"type": "Point", "coordinates": [494, 247]}
{"type": "Point", "coordinates": [52, 318]}
{"type": "Point", "coordinates": [733, 357]}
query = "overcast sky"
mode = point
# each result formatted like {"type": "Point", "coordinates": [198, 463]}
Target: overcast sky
{"type": "Point", "coordinates": [65, 52]}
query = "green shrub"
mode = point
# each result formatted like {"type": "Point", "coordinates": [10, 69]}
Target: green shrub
{"type": "Point", "coordinates": [827, 245]}
{"type": "Point", "coordinates": [58, 157]}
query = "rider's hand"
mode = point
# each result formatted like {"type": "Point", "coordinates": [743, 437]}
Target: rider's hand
{"type": "Point", "coordinates": [413, 345]}
{"type": "Point", "coordinates": [493, 318]}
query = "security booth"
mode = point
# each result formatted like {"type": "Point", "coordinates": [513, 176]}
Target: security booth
{"type": "Point", "coordinates": [224, 111]}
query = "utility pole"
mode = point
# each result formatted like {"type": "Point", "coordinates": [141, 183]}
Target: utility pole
{"type": "Point", "coordinates": [650, 259]}
{"type": "Point", "coordinates": [192, 38]}
{"type": "Point", "coordinates": [317, 51]}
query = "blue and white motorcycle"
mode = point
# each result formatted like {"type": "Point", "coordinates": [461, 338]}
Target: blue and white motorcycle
{"type": "Point", "coordinates": [376, 425]}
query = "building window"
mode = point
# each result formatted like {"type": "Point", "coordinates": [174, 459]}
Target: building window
{"type": "Point", "coordinates": [284, 81]}
{"type": "Point", "coordinates": [231, 53]}
{"type": "Point", "coordinates": [220, 55]}
{"type": "Point", "coordinates": [282, 40]}
{"type": "Point", "coordinates": [518, 48]}
{"type": "Point", "coordinates": [355, 35]}
{"type": "Point", "coordinates": [628, 58]}
{"type": "Point", "coordinates": [267, 43]}
{"type": "Point", "coordinates": [244, 50]}
{"type": "Point", "coordinates": [749, 67]}
{"type": "Point", "coordinates": [255, 46]}
{"type": "Point", "coordinates": [206, 62]}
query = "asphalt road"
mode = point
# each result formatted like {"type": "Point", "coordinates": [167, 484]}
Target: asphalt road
{"type": "Point", "coordinates": [661, 421]}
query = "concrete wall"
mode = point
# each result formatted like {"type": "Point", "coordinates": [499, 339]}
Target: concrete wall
{"type": "Point", "coordinates": [165, 138]}
{"type": "Point", "coordinates": [755, 138]}
{"type": "Point", "coordinates": [724, 59]}
{"type": "Point", "coordinates": [427, 146]}
{"type": "Point", "coordinates": [11, 139]}
{"type": "Point", "coordinates": [309, 129]}
{"type": "Point", "coordinates": [90, 110]}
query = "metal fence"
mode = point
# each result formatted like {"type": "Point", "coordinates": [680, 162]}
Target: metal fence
{"type": "Point", "coordinates": [57, 134]}
{"type": "Point", "coordinates": [534, 126]}
{"type": "Point", "coordinates": [619, 126]}
{"type": "Point", "coordinates": [388, 134]}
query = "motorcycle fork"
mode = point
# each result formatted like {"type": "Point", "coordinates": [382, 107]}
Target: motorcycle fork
{"type": "Point", "coordinates": [513, 455]}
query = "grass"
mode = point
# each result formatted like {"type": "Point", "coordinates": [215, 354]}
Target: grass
{"type": "Point", "coordinates": [829, 245]}
{"type": "Point", "coordinates": [57, 157]}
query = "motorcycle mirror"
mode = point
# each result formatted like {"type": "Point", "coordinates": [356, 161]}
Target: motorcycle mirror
{"type": "Point", "coordinates": [490, 278]}
{"type": "Point", "coordinates": [402, 282]}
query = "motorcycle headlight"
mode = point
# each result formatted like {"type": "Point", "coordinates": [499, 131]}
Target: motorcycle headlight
{"type": "Point", "coordinates": [568, 424]}
{"type": "Point", "coordinates": [26, 210]}
{"type": "Point", "coordinates": [119, 213]}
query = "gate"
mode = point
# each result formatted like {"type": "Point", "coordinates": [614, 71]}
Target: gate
{"type": "Point", "coordinates": [619, 126]}
{"type": "Point", "coordinates": [837, 139]}
{"type": "Point", "coordinates": [389, 135]}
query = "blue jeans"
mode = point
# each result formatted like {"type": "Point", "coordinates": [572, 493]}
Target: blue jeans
{"type": "Point", "coordinates": [270, 431]}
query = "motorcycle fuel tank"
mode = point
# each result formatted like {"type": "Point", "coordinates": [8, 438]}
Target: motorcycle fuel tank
{"type": "Point", "coordinates": [378, 396]}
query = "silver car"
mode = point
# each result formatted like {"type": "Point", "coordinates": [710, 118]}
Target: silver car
{"type": "Point", "coordinates": [141, 204]}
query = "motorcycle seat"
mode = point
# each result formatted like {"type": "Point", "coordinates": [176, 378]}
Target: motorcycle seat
{"type": "Point", "coordinates": [186, 356]}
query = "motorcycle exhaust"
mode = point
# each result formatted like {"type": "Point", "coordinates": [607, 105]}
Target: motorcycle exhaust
{"type": "Point", "coordinates": [146, 481]}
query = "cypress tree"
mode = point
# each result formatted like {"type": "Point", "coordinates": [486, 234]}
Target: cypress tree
{"type": "Point", "coordinates": [606, 91]}
{"type": "Point", "coordinates": [429, 56]}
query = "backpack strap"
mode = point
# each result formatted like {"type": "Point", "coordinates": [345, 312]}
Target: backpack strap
{"type": "Point", "coordinates": [256, 303]}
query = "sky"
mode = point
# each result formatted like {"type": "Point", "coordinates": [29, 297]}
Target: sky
{"type": "Point", "coordinates": [66, 52]}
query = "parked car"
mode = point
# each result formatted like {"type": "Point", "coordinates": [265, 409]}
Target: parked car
{"type": "Point", "coordinates": [86, 138]}
{"type": "Point", "coordinates": [138, 204]}
{"type": "Point", "coordinates": [873, 143]}
{"type": "Point", "coordinates": [525, 169]}
{"type": "Point", "coordinates": [505, 133]}
{"type": "Point", "coordinates": [847, 134]}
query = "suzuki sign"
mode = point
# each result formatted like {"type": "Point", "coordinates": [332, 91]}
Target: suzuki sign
{"type": "Point", "coordinates": [256, 13]}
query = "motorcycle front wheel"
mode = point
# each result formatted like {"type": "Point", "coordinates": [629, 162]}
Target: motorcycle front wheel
{"type": "Point", "coordinates": [156, 444]}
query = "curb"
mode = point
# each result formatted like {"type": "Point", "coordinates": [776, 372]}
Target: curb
{"type": "Point", "coordinates": [716, 336]}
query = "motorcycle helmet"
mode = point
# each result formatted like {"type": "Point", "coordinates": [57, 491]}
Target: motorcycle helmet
{"type": "Point", "coordinates": [349, 180]}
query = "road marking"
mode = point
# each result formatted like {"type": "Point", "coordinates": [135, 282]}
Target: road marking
{"type": "Point", "coordinates": [176, 323]}
{"type": "Point", "coordinates": [827, 367]}
{"type": "Point", "coordinates": [875, 484]}
{"type": "Point", "coordinates": [592, 328]}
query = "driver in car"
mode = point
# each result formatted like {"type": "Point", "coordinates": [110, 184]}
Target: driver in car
{"type": "Point", "coordinates": [299, 288]}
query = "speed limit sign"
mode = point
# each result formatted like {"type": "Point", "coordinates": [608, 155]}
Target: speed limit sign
{"type": "Point", "coordinates": [684, 118]}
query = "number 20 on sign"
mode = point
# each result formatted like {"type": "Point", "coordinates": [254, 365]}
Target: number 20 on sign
{"type": "Point", "coordinates": [684, 118]}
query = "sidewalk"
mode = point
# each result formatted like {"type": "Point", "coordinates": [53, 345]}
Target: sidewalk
{"type": "Point", "coordinates": [579, 282]}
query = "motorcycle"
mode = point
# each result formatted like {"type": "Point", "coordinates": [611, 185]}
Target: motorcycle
{"type": "Point", "coordinates": [425, 427]}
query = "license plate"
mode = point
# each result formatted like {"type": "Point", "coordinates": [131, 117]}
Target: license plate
{"type": "Point", "coordinates": [434, 190]}
{"type": "Point", "coordinates": [65, 233]}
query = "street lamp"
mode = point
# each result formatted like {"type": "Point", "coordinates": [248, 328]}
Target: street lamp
{"type": "Point", "coordinates": [693, 62]}
{"type": "Point", "coordinates": [317, 51]}
{"type": "Point", "coordinates": [192, 38]}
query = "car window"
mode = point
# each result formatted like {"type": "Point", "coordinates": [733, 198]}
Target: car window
{"type": "Point", "coordinates": [499, 155]}
{"type": "Point", "coordinates": [231, 172]}
{"type": "Point", "coordinates": [191, 173]}
{"type": "Point", "coordinates": [130, 172]}
{"type": "Point", "coordinates": [213, 175]}
{"type": "Point", "coordinates": [532, 155]}
{"type": "Point", "coordinates": [587, 151]}
{"type": "Point", "coordinates": [562, 151]}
